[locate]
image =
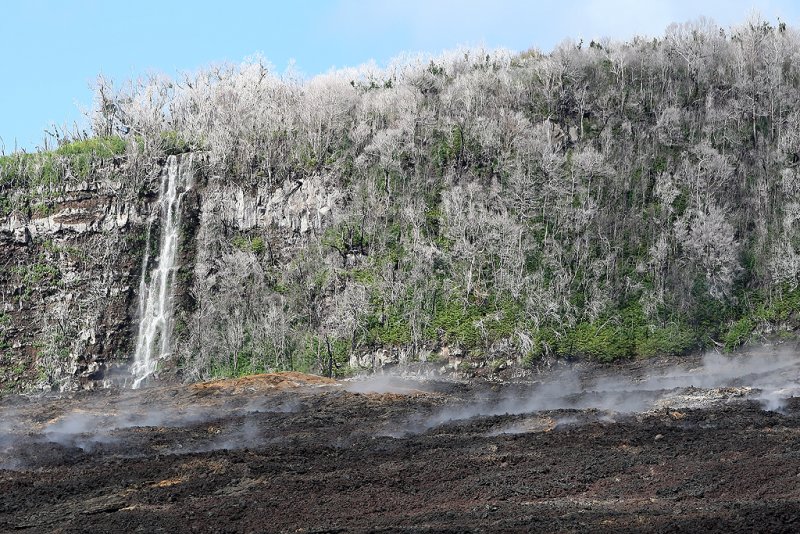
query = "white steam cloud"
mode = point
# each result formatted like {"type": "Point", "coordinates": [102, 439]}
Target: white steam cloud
{"type": "Point", "coordinates": [770, 378]}
{"type": "Point", "coordinates": [35, 432]}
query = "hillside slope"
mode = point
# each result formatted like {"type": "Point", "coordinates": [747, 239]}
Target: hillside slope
{"type": "Point", "coordinates": [607, 200]}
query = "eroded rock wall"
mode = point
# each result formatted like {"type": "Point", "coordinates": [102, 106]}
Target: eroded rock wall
{"type": "Point", "coordinates": [67, 282]}
{"type": "Point", "coordinates": [70, 273]}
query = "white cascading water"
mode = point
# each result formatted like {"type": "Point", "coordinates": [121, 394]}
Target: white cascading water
{"type": "Point", "coordinates": [155, 297]}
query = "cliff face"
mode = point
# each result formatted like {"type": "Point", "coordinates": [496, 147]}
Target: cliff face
{"type": "Point", "coordinates": [67, 284]}
{"type": "Point", "coordinates": [608, 201]}
{"type": "Point", "coordinates": [71, 275]}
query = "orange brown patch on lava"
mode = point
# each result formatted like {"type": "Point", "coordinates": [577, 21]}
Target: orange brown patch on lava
{"type": "Point", "coordinates": [395, 396]}
{"type": "Point", "coordinates": [168, 482]}
{"type": "Point", "coordinates": [266, 381]}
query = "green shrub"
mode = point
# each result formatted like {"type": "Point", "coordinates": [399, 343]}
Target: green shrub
{"type": "Point", "coordinates": [457, 323]}
{"type": "Point", "coordinates": [313, 356]}
{"type": "Point", "coordinates": [256, 245]}
{"type": "Point", "coordinates": [599, 340]}
{"type": "Point", "coordinates": [779, 309]}
{"type": "Point", "coordinates": [99, 147]}
{"type": "Point", "coordinates": [47, 168]}
{"type": "Point", "coordinates": [673, 339]}
{"type": "Point", "coordinates": [41, 210]}
{"type": "Point", "coordinates": [503, 323]}
{"type": "Point", "coordinates": [543, 340]}
{"type": "Point", "coordinates": [30, 170]}
{"type": "Point", "coordinates": [739, 333]}
{"type": "Point", "coordinates": [36, 273]}
{"type": "Point", "coordinates": [395, 332]}
{"type": "Point", "coordinates": [173, 143]}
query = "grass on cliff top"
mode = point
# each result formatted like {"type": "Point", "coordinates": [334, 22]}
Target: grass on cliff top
{"type": "Point", "coordinates": [99, 147]}
{"type": "Point", "coordinates": [23, 169]}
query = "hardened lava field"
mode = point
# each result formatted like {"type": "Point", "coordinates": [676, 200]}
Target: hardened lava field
{"type": "Point", "coordinates": [644, 447]}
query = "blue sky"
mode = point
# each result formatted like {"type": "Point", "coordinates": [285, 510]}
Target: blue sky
{"type": "Point", "coordinates": [52, 50]}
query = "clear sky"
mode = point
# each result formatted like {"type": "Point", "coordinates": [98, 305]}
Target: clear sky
{"type": "Point", "coordinates": [52, 50]}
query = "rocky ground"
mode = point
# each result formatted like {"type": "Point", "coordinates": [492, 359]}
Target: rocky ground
{"type": "Point", "coordinates": [707, 444]}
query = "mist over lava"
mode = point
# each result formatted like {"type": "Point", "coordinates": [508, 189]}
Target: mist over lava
{"type": "Point", "coordinates": [767, 376]}
{"type": "Point", "coordinates": [133, 422]}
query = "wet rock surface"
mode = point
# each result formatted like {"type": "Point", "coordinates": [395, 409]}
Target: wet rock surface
{"type": "Point", "coordinates": [292, 453]}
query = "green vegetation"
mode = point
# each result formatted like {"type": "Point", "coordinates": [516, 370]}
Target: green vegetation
{"type": "Point", "coordinates": [255, 244]}
{"type": "Point", "coordinates": [73, 252]}
{"type": "Point", "coordinates": [36, 273]}
{"type": "Point", "coordinates": [23, 170]}
{"type": "Point", "coordinates": [173, 143]}
{"type": "Point", "coordinates": [606, 202]}
{"type": "Point", "coordinates": [82, 154]}
{"type": "Point", "coordinates": [312, 355]}
{"type": "Point", "coordinates": [97, 147]}
{"type": "Point", "coordinates": [34, 178]}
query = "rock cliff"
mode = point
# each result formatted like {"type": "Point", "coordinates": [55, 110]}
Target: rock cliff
{"type": "Point", "coordinates": [477, 210]}
{"type": "Point", "coordinates": [71, 273]}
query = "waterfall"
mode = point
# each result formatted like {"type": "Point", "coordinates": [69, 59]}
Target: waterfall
{"type": "Point", "coordinates": [156, 295]}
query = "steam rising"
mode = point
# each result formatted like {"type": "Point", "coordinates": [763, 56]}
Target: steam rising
{"type": "Point", "coordinates": [114, 430]}
{"type": "Point", "coordinates": [768, 378]}
{"type": "Point", "coordinates": [142, 421]}
{"type": "Point", "coordinates": [382, 384]}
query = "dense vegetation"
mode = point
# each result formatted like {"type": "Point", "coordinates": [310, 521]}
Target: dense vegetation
{"type": "Point", "coordinates": [28, 181]}
{"type": "Point", "coordinates": [607, 199]}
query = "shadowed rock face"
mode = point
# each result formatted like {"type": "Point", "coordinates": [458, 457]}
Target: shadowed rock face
{"type": "Point", "coordinates": [67, 288]}
{"type": "Point", "coordinates": [285, 452]}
